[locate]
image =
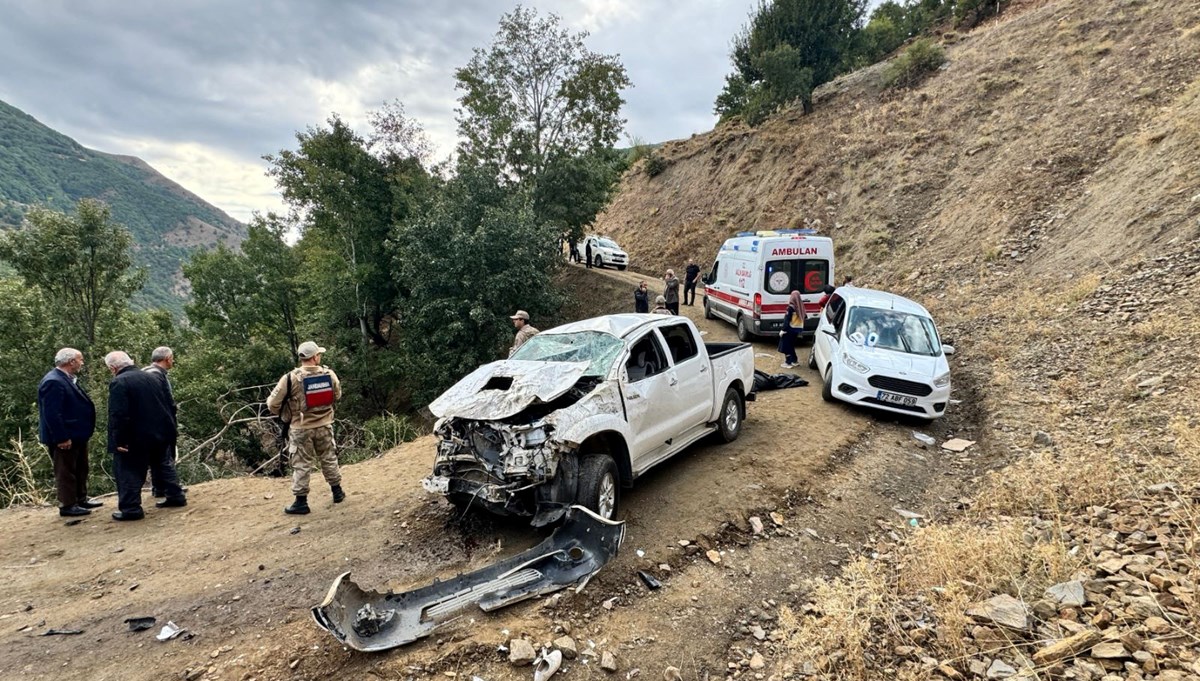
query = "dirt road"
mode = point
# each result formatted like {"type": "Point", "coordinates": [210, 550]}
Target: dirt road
{"type": "Point", "coordinates": [241, 576]}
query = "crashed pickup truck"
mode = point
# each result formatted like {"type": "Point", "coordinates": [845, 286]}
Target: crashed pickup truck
{"type": "Point", "coordinates": [581, 411]}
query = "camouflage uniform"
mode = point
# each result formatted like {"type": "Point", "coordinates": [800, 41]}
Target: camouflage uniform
{"type": "Point", "coordinates": [310, 439]}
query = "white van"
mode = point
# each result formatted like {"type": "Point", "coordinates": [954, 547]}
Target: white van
{"type": "Point", "coordinates": [756, 272]}
{"type": "Point", "coordinates": [880, 350]}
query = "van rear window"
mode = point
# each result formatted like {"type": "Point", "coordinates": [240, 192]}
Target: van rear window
{"type": "Point", "coordinates": [781, 277]}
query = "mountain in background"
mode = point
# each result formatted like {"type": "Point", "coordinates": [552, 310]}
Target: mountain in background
{"type": "Point", "coordinates": [39, 166]}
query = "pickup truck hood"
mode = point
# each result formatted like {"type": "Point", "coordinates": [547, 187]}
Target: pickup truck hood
{"type": "Point", "coordinates": [898, 363]}
{"type": "Point", "coordinates": [501, 389]}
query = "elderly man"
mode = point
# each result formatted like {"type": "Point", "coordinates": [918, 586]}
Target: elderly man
{"type": "Point", "coordinates": [525, 330]}
{"type": "Point", "coordinates": [304, 398]}
{"type": "Point", "coordinates": [141, 425]}
{"type": "Point", "coordinates": [162, 360]}
{"type": "Point", "coordinates": [66, 419]}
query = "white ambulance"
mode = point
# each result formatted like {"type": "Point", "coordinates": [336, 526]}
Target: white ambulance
{"type": "Point", "coordinates": [756, 272]}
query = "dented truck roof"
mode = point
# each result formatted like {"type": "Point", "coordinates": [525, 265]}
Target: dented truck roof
{"type": "Point", "coordinates": [502, 389]}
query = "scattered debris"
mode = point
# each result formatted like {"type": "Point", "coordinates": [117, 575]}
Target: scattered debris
{"type": "Point", "coordinates": [924, 439]}
{"type": "Point", "coordinates": [756, 524]}
{"type": "Point", "coordinates": [649, 580]}
{"type": "Point", "coordinates": [907, 515]}
{"type": "Point", "coordinates": [370, 620]}
{"type": "Point", "coordinates": [608, 662]}
{"type": "Point", "coordinates": [74, 521]}
{"type": "Point", "coordinates": [62, 632]}
{"type": "Point", "coordinates": [776, 518]}
{"type": "Point", "coordinates": [295, 530]}
{"type": "Point", "coordinates": [714, 557]}
{"type": "Point", "coordinates": [169, 631]}
{"type": "Point", "coordinates": [957, 445]}
{"type": "Point", "coordinates": [140, 623]}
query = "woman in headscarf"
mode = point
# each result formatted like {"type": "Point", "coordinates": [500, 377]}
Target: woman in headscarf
{"type": "Point", "coordinates": [793, 324]}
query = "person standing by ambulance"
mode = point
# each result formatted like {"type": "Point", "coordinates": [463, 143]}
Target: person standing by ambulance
{"type": "Point", "coordinates": [671, 291]}
{"type": "Point", "coordinates": [304, 398]}
{"type": "Point", "coordinates": [691, 277]}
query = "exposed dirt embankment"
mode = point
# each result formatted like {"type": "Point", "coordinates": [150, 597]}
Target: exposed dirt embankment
{"type": "Point", "coordinates": [1072, 125]}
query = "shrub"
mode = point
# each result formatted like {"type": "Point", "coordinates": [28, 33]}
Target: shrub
{"type": "Point", "coordinates": [655, 165]}
{"type": "Point", "coordinates": [921, 58]}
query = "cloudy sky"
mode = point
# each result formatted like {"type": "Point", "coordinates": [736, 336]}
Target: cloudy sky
{"type": "Point", "coordinates": [202, 89]}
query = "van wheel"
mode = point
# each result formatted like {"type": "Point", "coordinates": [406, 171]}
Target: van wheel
{"type": "Point", "coordinates": [812, 357]}
{"type": "Point", "coordinates": [708, 310]}
{"type": "Point", "coordinates": [599, 487]}
{"type": "Point", "coordinates": [729, 420]}
{"type": "Point", "coordinates": [743, 329]}
{"type": "Point", "coordinates": [827, 388]}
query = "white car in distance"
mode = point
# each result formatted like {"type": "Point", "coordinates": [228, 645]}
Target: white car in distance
{"type": "Point", "coordinates": [881, 350]}
{"type": "Point", "coordinates": [604, 252]}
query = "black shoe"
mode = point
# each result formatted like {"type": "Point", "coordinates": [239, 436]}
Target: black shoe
{"type": "Point", "coordinates": [90, 503]}
{"type": "Point", "coordinates": [67, 511]}
{"type": "Point", "coordinates": [299, 506]}
{"type": "Point", "coordinates": [171, 502]}
{"type": "Point", "coordinates": [338, 495]}
{"type": "Point", "coordinates": [128, 515]}
{"type": "Point", "coordinates": [156, 493]}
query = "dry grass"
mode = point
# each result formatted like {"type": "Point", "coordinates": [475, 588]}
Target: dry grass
{"type": "Point", "coordinates": [21, 485]}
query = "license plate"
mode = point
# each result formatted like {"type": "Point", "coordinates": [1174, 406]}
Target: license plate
{"type": "Point", "coordinates": [893, 398]}
{"type": "Point", "coordinates": [436, 484]}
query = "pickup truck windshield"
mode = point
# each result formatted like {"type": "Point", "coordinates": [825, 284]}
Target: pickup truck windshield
{"type": "Point", "coordinates": [891, 330]}
{"type": "Point", "coordinates": [608, 243]}
{"type": "Point", "coordinates": [596, 348]}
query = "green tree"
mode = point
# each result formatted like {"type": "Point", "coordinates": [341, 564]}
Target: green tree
{"type": "Point", "coordinates": [254, 293]}
{"type": "Point", "coordinates": [572, 190]}
{"type": "Point", "coordinates": [82, 264]}
{"type": "Point", "coordinates": [788, 48]}
{"type": "Point", "coordinates": [535, 95]}
{"type": "Point", "coordinates": [475, 256]}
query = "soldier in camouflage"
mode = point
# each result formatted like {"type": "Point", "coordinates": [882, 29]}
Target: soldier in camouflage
{"type": "Point", "coordinates": [304, 397]}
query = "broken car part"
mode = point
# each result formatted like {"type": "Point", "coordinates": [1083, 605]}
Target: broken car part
{"type": "Point", "coordinates": [373, 621]}
{"type": "Point", "coordinates": [139, 623]}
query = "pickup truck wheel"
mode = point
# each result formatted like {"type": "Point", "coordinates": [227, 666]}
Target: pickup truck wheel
{"type": "Point", "coordinates": [743, 329]}
{"type": "Point", "coordinates": [621, 267]}
{"type": "Point", "coordinates": [708, 309]}
{"type": "Point", "coordinates": [827, 386]}
{"type": "Point", "coordinates": [729, 421]}
{"type": "Point", "coordinates": [598, 261]}
{"type": "Point", "coordinates": [599, 488]}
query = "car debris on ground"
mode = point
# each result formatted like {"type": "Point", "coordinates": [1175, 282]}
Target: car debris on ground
{"type": "Point", "coordinates": [373, 621]}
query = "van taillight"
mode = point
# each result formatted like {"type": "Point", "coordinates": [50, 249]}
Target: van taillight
{"type": "Point", "coordinates": [757, 304]}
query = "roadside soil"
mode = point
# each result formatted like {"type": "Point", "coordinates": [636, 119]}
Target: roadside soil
{"type": "Point", "coordinates": [241, 576]}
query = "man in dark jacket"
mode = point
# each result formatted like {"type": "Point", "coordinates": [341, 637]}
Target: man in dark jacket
{"type": "Point", "coordinates": [66, 419]}
{"type": "Point", "coordinates": [141, 424]}
{"type": "Point", "coordinates": [162, 360]}
{"type": "Point", "coordinates": [641, 298]}
{"type": "Point", "coordinates": [588, 252]}
{"type": "Point", "coordinates": [690, 279]}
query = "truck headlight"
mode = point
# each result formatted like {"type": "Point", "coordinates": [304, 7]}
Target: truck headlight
{"type": "Point", "coordinates": [855, 364]}
{"type": "Point", "coordinates": [942, 381]}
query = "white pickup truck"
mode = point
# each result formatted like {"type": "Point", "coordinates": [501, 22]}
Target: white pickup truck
{"type": "Point", "coordinates": [582, 410]}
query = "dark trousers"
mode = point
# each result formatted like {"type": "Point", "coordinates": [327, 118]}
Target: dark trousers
{"type": "Point", "coordinates": [787, 345]}
{"type": "Point", "coordinates": [163, 472]}
{"type": "Point", "coordinates": [689, 287]}
{"type": "Point", "coordinates": [673, 307]}
{"type": "Point", "coordinates": [70, 473]}
{"type": "Point", "coordinates": [131, 468]}
{"type": "Point", "coordinates": [589, 259]}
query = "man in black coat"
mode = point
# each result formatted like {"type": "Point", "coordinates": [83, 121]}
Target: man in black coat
{"type": "Point", "coordinates": [141, 426]}
{"type": "Point", "coordinates": [66, 419]}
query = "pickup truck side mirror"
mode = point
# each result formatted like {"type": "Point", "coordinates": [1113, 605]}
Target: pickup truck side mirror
{"type": "Point", "coordinates": [948, 349]}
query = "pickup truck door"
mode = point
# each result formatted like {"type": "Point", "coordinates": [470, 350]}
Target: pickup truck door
{"type": "Point", "coordinates": [647, 385]}
{"type": "Point", "coordinates": [692, 382]}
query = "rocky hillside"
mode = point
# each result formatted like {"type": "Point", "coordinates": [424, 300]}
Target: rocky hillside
{"type": "Point", "coordinates": [1041, 195]}
{"type": "Point", "coordinates": [41, 166]}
